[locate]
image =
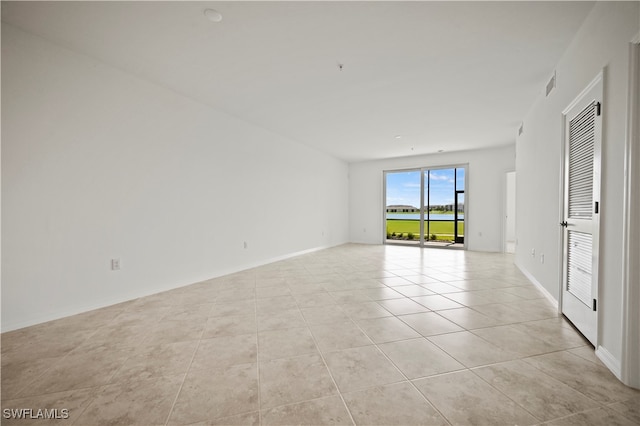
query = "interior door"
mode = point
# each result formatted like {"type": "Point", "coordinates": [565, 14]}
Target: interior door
{"type": "Point", "coordinates": [583, 130]}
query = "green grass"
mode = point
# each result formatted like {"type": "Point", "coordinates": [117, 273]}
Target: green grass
{"type": "Point", "coordinates": [443, 229]}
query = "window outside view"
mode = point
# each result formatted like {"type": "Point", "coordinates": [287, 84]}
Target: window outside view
{"type": "Point", "coordinates": [443, 210]}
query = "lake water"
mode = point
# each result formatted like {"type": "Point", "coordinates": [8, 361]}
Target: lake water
{"type": "Point", "coordinates": [416, 216]}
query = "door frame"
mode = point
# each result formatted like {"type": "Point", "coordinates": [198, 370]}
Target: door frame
{"type": "Point", "coordinates": [421, 242]}
{"type": "Point", "coordinates": [630, 362]}
{"type": "Point", "coordinates": [599, 79]}
{"type": "Point", "coordinates": [455, 211]}
{"type": "Point", "coordinates": [505, 208]}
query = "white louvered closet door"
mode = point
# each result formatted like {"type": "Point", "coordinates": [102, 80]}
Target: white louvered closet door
{"type": "Point", "coordinates": [583, 138]}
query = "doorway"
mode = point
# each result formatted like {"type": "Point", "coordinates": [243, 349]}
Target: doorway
{"type": "Point", "coordinates": [580, 218]}
{"type": "Point", "coordinates": [425, 206]}
{"type": "Point", "coordinates": [510, 213]}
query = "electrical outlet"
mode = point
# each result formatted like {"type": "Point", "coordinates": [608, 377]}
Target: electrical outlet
{"type": "Point", "coordinates": [541, 257]}
{"type": "Point", "coordinates": [115, 264]}
{"type": "Point", "coordinates": [533, 252]}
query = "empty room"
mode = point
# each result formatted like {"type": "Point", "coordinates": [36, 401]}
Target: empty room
{"type": "Point", "coordinates": [320, 212]}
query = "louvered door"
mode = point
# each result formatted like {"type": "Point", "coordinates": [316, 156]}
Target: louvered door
{"type": "Point", "coordinates": [581, 209]}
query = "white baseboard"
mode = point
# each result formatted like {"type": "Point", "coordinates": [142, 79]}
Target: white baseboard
{"type": "Point", "coordinates": [275, 259]}
{"type": "Point", "coordinates": [610, 361]}
{"type": "Point", "coordinates": [103, 303]}
{"type": "Point", "coordinates": [535, 282]}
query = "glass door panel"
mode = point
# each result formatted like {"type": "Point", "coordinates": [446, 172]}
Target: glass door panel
{"type": "Point", "coordinates": [402, 212]}
{"type": "Point", "coordinates": [441, 206]}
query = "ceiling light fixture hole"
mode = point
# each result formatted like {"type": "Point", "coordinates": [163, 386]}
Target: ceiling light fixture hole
{"type": "Point", "coordinates": [213, 15]}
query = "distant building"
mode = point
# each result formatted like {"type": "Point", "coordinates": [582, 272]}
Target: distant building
{"type": "Point", "coordinates": [402, 209]}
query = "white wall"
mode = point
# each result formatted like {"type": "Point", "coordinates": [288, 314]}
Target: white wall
{"type": "Point", "coordinates": [484, 197]}
{"type": "Point", "coordinates": [602, 42]}
{"type": "Point", "coordinates": [98, 164]}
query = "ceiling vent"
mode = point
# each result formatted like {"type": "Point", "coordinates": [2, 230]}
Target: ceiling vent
{"type": "Point", "coordinates": [551, 84]}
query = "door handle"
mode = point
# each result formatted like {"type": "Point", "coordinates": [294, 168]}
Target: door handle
{"type": "Point", "coordinates": [564, 224]}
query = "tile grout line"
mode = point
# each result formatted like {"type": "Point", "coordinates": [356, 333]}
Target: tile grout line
{"type": "Point", "coordinates": [465, 369]}
{"type": "Point", "coordinates": [583, 412]}
{"type": "Point", "coordinates": [68, 354]}
{"type": "Point", "coordinates": [50, 368]}
{"type": "Point", "coordinates": [351, 320]}
{"type": "Point", "coordinates": [471, 369]}
{"type": "Point", "coordinates": [184, 378]}
{"type": "Point", "coordinates": [324, 361]}
{"type": "Point", "coordinates": [602, 404]}
{"type": "Point", "coordinates": [255, 311]}
{"type": "Point", "coordinates": [401, 372]}
{"type": "Point", "coordinates": [398, 369]}
{"type": "Point", "coordinates": [502, 393]}
{"type": "Point", "coordinates": [542, 372]}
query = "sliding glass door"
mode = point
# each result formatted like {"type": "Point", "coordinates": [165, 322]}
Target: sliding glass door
{"type": "Point", "coordinates": [403, 201]}
{"type": "Point", "coordinates": [425, 206]}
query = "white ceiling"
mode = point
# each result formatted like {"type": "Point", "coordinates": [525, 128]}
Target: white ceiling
{"type": "Point", "coordinates": [443, 75]}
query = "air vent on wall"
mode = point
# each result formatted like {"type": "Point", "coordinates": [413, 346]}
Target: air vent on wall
{"type": "Point", "coordinates": [551, 84]}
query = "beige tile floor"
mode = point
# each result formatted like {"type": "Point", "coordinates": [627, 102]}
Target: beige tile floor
{"type": "Point", "coordinates": [354, 334]}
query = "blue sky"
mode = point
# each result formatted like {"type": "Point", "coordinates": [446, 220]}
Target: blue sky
{"type": "Point", "coordinates": [404, 187]}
